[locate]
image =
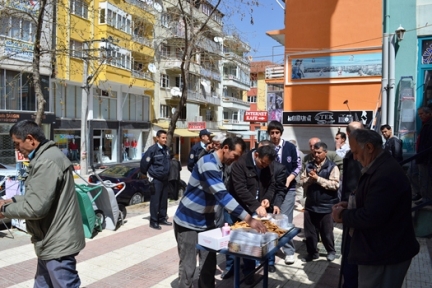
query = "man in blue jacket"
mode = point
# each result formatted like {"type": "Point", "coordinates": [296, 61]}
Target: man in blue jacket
{"type": "Point", "coordinates": [204, 135]}
{"type": "Point", "coordinates": [156, 162]}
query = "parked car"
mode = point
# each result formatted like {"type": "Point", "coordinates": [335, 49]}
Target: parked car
{"type": "Point", "coordinates": [6, 171]}
{"type": "Point", "coordinates": [137, 185]}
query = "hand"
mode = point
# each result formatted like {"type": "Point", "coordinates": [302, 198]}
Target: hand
{"type": "Point", "coordinates": [265, 203]}
{"type": "Point", "coordinates": [276, 210]}
{"type": "Point", "coordinates": [258, 225]}
{"type": "Point", "coordinates": [337, 213]}
{"type": "Point", "coordinates": [313, 175]}
{"type": "Point", "coordinates": [261, 211]}
{"type": "Point", "coordinates": [344, 204]}
{"type": "Point", "coordinates": [1, 215]}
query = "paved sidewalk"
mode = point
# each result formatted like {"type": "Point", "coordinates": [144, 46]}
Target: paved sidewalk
{"type": "Point", "coordinates": [137, 256]}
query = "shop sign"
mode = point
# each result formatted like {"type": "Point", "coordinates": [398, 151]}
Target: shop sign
{"type": "Point", "coordinates": [196, 125]}
{"type": "Point", "coordinates": [326, 117]}
{"type": "Point", "coordinates": [256, 116]}
{"type": "Point", "coordinates": [18, 50]}
{"type": "Point", "coordinates": [15, 117]}
{"type": "Point", "coordinates": [109, 136]}
{"type": "Point", "coordinates": [68, 136]}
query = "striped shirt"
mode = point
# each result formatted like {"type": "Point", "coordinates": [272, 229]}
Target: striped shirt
{"type": "Point", "coordinates": [205, 191]}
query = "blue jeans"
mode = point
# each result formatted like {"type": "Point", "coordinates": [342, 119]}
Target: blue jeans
{"type": "Point", "coordinates": [287, 209]}
{"type": "Point", "coordinates": [59, 273]}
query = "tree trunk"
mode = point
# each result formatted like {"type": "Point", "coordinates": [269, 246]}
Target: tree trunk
{"type": "Point", "coordinates": [36, 64]}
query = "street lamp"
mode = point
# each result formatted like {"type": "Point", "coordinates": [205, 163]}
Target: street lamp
{"type": "Point", "coordinates": [400, 32]}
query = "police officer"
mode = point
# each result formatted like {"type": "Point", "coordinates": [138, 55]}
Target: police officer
{"type": "Point", "coordinates": [197, 148]}
{"type": "Point", "coordinates": [156, 163]}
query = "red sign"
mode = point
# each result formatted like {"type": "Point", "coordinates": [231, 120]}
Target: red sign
{"type": "Point", "coordinates": [196, 125]}
{"type": "Point", "coordinates": [256, 116]}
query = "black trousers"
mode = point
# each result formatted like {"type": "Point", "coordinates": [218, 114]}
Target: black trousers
{"type": "Point", "coordinates": [322, 223]}
{"type": "Point", "coordinates": [159, 201]}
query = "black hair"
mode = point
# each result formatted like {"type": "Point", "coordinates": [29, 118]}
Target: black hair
{"type": "Point", "coordinates": [160, 132]}
{"type": "Point", "coordinates": [231, 142]}
{"type": "Point", "coordinates": [342, 134]}
{"type": "Point", "coordinates": [266, 143]}
{"type": "Point", "coordinates": [385, 126]}
{"type": "Point", "coordinates": [268, 151]}
{"type": "Point", "coordinates": [322, 145]}
{"type": "Point", "coordinates": [274, 125]}
{"type": "Point", "coordinates": [27, 127]}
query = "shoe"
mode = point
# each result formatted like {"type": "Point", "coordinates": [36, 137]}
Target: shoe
{"type": "Point", "coordinates": [416, 197]}
{"type": "Point", "coordinates": [226, 274]}
{"type": "Point", "coordinates": [250, 280]}
{"type": "Point", "coordinates": [271, 268]}
{"type": "Point", "coordinates": [420, 201]}
{"type": "Point", "coordinates": [289, 259]}
{"type": "Point", "coordinates": [309, 258]}
{"type": "Point", "coordinates": [331, 256]}
{"type": "Point", "coordinates": [165, 222]}
{"type": "Point", "coordinates": [155, 226]}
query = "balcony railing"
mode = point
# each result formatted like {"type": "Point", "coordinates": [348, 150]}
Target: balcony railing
{"type": "Point", "coordinates": [234, 56]}
{"type": "Point", "coordinates": [274, 72]}
{"type": "Point", "coordinates": [22, 5]}
{"type": "Point", "coordinates": [235, 78]}
{"type": "Point", "coordinates": [142, 40]}
{"type": "Point", "coordinates": [209, 46]}
{"type": "Point", "coordinates": [210, 74]}
{"type": "Point", "coordinates": [142, 5]}
{"type": "Point", "coordinates": [142, 75]}
{"type": "Point", "coordinates": [198, 96]}
{"type": "Point", "coordinates": [235, 100]}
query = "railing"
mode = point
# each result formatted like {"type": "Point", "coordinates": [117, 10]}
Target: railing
{"type": "Point", "coordinates": [235, 100]}
{"type": "Point", "coordinates": [142, 40]}
{"type": "Point", "coordinates": [143, 5]}
{"type": "Point", "coordinates": [210, 74]}
{"type": "Point", "coordinates": [197, 96]}
{"type": "Point", "coordinates": [236, 57]}
{"type": "Point", "coordinates": [142, 75]}
{"type": "Point", "coordinates": [209, 45]}
{"type": "Point", "coordinates": [274, 72]}
{"type": "Point", "coordinates": [235, 78]}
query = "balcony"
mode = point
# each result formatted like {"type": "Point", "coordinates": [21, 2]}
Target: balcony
{"type": "Point", "coordinates": [274, 72]}
{"type": "Point", "coordinates": [195, 96]}
{"type": "Point", "coordinates": [234, 81]}
{"type": "Point", "coordinates": [209, 46]}
{"type": "Point", "coordinates": [142, 75]}
{"type": "Point", "coordinates": [235, 103]}
{"type": "Point", "coordinates": [142, 5]}
{"type": "Point", "coordinates": [231, 124]}
{"type": "Point", "coordinates": [24, 6]}
{"type": "Point", "coordinates": [173, 64]}
{"type": "Point", "coordinates": [235, 57]}
{"type": "Point", "coordinates": [142, 40]}
{"type": "Point", "coordinates": [210, 74]}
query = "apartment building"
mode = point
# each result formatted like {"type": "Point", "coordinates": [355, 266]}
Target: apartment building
{"type": "Point", "coordinates": [107, 47]}
{"type": "Point", "coordinates": [17, 93]}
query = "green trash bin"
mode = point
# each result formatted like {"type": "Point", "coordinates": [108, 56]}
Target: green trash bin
{"type": "Point", "coordinates": [92, 219]}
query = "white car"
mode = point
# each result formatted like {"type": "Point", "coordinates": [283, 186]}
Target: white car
{"type": "Point", "coordinates": [6, 171]}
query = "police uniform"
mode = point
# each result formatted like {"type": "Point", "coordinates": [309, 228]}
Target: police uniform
{"type": "Point", "coordinates": [156, 161]}
{"type": "Point", "coordinates": [194, 155]}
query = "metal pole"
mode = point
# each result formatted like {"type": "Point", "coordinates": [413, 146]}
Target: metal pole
{"type": "Point", "coordinates": [391, 84]}
{"type": "Point", "coordinates": [84, 113]}
{"type": "Point", "coordinates": [384, 85]}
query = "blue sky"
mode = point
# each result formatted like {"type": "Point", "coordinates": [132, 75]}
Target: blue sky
{"type": "Point", "coordinates": [266, 17]}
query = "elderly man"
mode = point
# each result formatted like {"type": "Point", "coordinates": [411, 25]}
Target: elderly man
{"type": "Point", "coordinates": [320, 179]}
{"type": "Point", "coordinates": [331, 155]}
{"type": "Point", "coordinates": [379, 215]}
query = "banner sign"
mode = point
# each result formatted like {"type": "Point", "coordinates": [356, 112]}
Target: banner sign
{"type": "Point", "coordinates": [18, 50]}
{"type": "Point", "coordinates": [326, 117]}
{"type": "Point", "coordinates": [256, 116]}
{"type": "Point", "coordinates": [196, 126]}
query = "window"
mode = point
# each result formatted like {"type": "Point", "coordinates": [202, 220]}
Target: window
{"type": "Point", "coordinates": [79, 8]}
{"type": "Point", "coordinates": [165, 20]}
{"type": "Point", "coordinates": [164, 81]}
{"type": "Point", "coordinates": [116, 18]}
{"type": "Point", "coordinates": [135, 107]}
{"type": "Point", "coordinates": [105, 104]}
{"type": "Point", "coordinates": [206, 9]}
{"type": "Point", "coordinates": [17, 28]}
{"type": "Point", "coordinates": [252, 99]}
{"type": "Point", "coordinates": [179, 82]}
{"type": "Point", "coordinates": [76, 49]}
{"type": "Point", "coordinates": [164, 50]}
{"type": "Point", "coordinates": [165, 111]}
{"type": "Point", "coordinates": [117, 56]}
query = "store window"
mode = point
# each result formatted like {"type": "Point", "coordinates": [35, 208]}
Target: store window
{"type": "Point", "coordinates": [135, 107]}
{"type": "Point", "coordinates": [132, 145]}
{"type": "Point", "coordinates": [69, 142]}
{"type": "Point", "coordinates": [104, 146]}
{"type": "Point", "coordinates": [105, 104]}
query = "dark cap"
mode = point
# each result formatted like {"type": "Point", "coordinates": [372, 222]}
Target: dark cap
{"type": "Point", "coordinates": [204, 132]}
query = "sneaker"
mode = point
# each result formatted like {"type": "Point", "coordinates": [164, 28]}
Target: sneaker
{"type": "Point", "coordinates": [331, 256]}
{"type": "Point", "coordinates": [289, 259]}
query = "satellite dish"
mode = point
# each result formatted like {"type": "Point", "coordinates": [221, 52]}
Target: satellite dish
{"type": "Point", "coordinates": [175, 91]}
{"type": "Point", "coordinates": [157, 7]}
{"type": "Point", "coordinates": [250, 58]}
{"type": "Point", "coordinates": [151, 67]}
{"type": "Point", "coordinates": [173, 110]}
{"type": "Point", "coordinates": [218, 39]}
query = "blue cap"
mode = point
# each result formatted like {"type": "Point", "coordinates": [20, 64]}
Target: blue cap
{"type": "Point", "coordinates": [204, 132]}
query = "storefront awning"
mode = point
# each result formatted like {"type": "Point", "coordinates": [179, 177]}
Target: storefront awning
{"type": "Point", "coordinates": [163, 125]}
{"type": "Point", "coordinates": [243, 134]}
{"type": "Point", "coordinates": [185, 133]}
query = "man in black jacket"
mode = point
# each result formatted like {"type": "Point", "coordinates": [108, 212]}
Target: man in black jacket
{"type": "Point", "coordinates": [383, 240]}
{"type": "Point", "coordinates": [252, 185]}
{"type": "Point", "coordinates": [393, 145]}
{"type": "Point", "coordinates": [320, 179]}
{"type": "Point", "coordinates": [196, 149]}
{"type": "Point", "coordinates": [156, 162]}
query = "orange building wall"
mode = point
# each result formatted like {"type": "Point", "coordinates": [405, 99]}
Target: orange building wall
{"type": "Point", "coordinates": [332, 25]}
